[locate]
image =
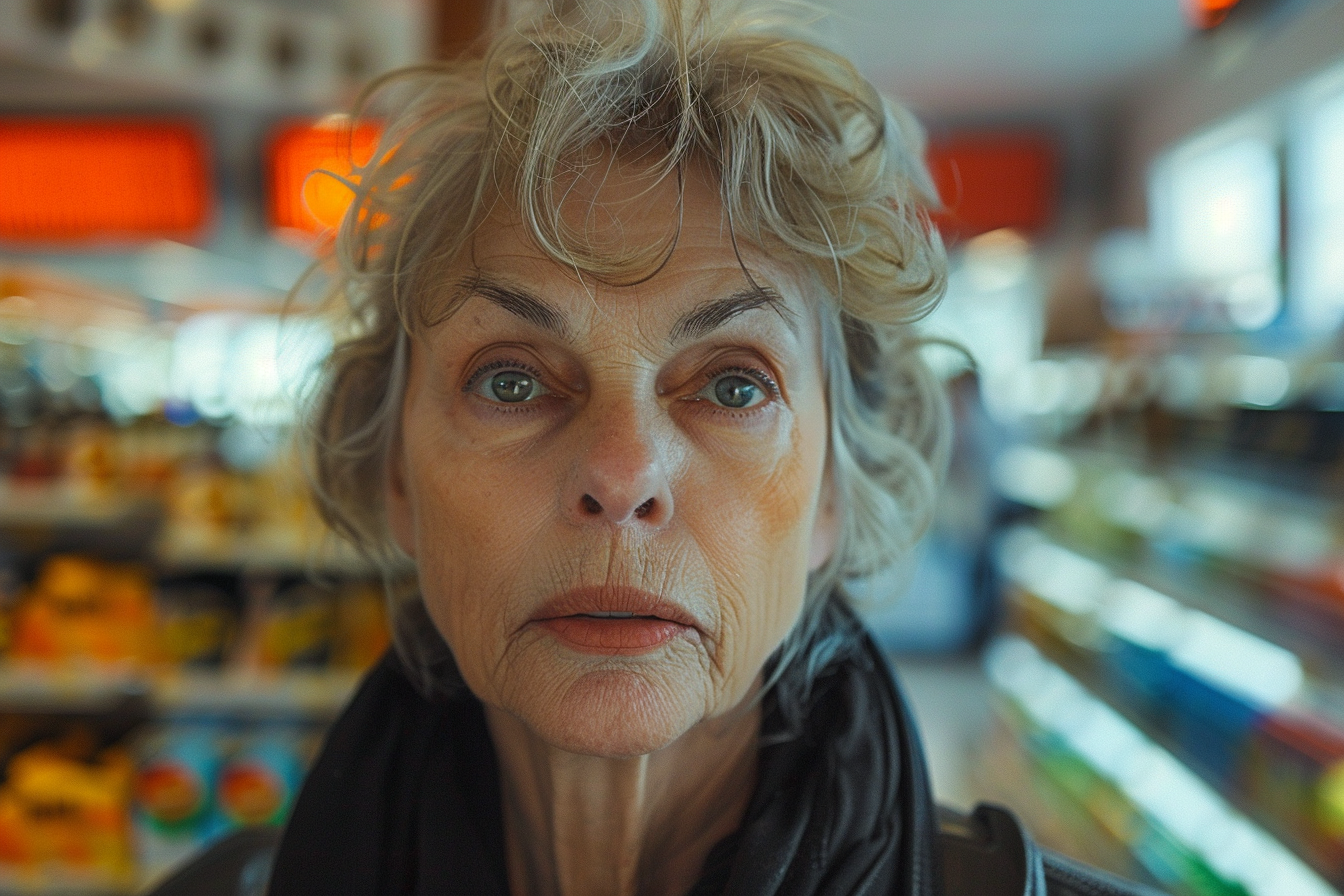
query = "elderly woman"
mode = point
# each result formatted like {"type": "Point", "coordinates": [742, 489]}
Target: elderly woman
{"type": "Point", "coordinates": [628, 393]}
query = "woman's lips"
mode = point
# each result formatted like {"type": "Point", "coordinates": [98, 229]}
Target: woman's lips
{"type": "Point", "coordinates": [613, 621]}
{"type": "Point", "coordinates": [612, 637]}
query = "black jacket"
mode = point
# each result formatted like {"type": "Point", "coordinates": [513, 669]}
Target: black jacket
{"type": "Point", "coordinates": [404, 799]}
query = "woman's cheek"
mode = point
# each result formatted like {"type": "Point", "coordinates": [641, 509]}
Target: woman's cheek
{"type": "Point", "coordinates": [468, 509]}
{"type": "Point", "coordinates": [757, 543]}
{"type": "Point", "coordinates": [761, 486]}
{"type": "Point", "coordinates": [751, 538]}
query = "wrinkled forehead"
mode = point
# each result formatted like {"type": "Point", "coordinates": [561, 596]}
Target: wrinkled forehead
{"type": "Point", "coordinates": [640, 195]}
{"type": "Point", "coordinates": [631, 222]}
{"type": "Point", "coordinates": [700, 275]}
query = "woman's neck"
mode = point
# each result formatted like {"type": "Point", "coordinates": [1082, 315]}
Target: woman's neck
{"type": "Point", "coordinates": [577, 824]}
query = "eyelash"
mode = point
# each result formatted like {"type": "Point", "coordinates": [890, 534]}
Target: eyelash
{"type": "Point", "coordinates": [503, 364]}
{"type": "Point", "coordinates": [754, 373]}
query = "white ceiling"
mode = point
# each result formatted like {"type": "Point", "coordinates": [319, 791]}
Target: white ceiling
{"type": "Point", "coordinates": [971, 58]}
{"type": "Point", "coordinates": [947, 58]}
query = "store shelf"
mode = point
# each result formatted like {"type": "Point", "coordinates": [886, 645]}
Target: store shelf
{"type": "Point", "coordinates": [42, 688]}
{"type": "Point", "coordinates": [1245, 714]}
{"type": "Point", "coordinates": [30, 506]}
{"type": "Point", "coordinates": [1183, 832]}
{"type": "Point", "coordinates": [263, 552]}
{"type": "Point", "coordinates": [1236, 602]}
{"type": "Point", "coordinates": [1297, 449]}
{"type": "Point", "coordinates": [316, 695]}
{"type": "Point", "coordinates": [63, 883]}
{"type": "Point", "coordinates": [41, 520]}
{"type": "Point", "coordinates": [1265, 560]}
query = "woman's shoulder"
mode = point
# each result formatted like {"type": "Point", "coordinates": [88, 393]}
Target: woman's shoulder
{"type": "Point", "coordinates": [360, 784]}
{"type": "Point", "coordinates": [404, 794]}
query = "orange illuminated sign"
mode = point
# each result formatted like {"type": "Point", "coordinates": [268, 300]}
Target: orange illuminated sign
{"type": "Point", "coordinates": [1208, 13]}
{"type": "Point", "coordinates": [101, 180]}
{"type": "Point", "coordinates": [989, 180]}
{"type": "Point", "coordinates": [304, 197]}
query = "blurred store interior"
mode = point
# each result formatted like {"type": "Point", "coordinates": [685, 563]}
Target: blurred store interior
{"type": "Point", "coordinates": [1127, 623]}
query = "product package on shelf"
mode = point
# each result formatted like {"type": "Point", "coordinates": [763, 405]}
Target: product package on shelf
{"type": "Point", "coordinates": [65, 821]}
{"type": "Point", "coordinates": [80, 610]}
{"type": "Point", "coordinates": [198, 620]}
{"type": "Point", "coordinates": [197, 780]}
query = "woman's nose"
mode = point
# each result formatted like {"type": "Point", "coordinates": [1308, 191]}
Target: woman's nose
{"type": "Point", "coordinates": [621, 475]}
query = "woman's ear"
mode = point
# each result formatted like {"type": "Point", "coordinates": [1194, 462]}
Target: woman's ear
{"type": "Point", "coordinates": [396, 499]}
{"type": "Point", "coordinates": [825, 526]}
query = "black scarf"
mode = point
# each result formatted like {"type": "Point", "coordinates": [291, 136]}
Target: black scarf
{"type": "Point", "coordinates": [405, 797]}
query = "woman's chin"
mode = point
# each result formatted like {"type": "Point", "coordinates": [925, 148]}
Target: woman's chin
{"type": "Point", "coordinates": [613, 714]}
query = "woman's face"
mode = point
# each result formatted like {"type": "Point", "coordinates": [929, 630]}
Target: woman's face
{"type": "Point", "coordinates": [614, 494]}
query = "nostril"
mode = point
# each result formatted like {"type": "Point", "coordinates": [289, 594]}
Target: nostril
{"type": "Point", "coordinates": [590, 505]}
{"type": "Point", "coordinates": [644, 509]}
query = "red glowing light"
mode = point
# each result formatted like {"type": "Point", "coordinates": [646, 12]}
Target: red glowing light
{"type": "Point", "coordinates": [308, 202]}
{"type": "Point", "coordinates": [102, 180]}
{"type": "Point", "coordinates": [990, 180]}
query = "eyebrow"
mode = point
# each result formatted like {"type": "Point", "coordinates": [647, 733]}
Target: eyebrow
{"type": "Point", "coordinates": [702, 319]}
{"type": "Point", "coordinates": [517, 302]}
{"type": "Point", "coordinates": [717, 312]}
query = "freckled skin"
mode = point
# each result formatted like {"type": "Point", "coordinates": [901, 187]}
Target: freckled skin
{"type": "Point", "coordinates": [489, 498]}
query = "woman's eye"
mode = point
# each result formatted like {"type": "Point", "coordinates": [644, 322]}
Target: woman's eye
{"type": "Point", "coordinates": [510, 386]}
{"type": "Point", "coordinates": [734, 390]}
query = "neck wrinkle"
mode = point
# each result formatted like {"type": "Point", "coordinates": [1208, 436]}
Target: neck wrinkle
{"type": "Point", "coordinates": [599, 812]}
{"type": "Point", "coordinates": [580, 825]}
